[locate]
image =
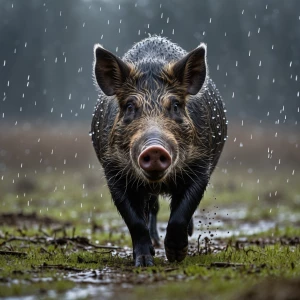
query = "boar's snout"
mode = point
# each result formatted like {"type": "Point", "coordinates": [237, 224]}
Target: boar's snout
{"type": "Point", "coordinates": [154, 160]}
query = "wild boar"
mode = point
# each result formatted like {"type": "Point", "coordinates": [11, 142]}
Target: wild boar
{"type": "Point", "coordinates": [159, 127]}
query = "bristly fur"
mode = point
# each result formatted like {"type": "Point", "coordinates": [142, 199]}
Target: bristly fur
{"type": "Point", "coordinates": [160, 94]}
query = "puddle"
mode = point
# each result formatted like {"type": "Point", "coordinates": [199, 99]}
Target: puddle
{"type": "Point", "coordinates": [104, 276]}
{"type": "Point", "coordinates": [90, 291]}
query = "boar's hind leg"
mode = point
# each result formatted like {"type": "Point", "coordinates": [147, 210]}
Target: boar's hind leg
{"type": "Point", "coordinates": [154, 207]}
{"type": "Point", "coordinates": [183, 206]}
{"type": "Point", "coordinates": [131, 207]}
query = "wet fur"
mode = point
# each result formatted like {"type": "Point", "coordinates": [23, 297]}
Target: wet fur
{"type": "Point", "coordinates": [199, 138]}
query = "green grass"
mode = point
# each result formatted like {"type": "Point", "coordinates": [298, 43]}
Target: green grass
{"type": "Point", "coordinates": [196, 275]}
{"type": "Point", "coordinates": [62, 207]}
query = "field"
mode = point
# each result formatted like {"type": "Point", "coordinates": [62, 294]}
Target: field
{"type": "Point", "coordinates": [61, 236]}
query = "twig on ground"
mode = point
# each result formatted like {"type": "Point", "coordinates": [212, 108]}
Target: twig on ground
{"type": "Point", "coordinates": [14, 253]}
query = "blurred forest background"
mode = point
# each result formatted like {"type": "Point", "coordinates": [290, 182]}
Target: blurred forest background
{"type": "Point", "coordinates": [47, 95]}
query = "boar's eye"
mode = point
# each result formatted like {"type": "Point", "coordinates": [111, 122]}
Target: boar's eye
{"type": "Point", "coordinates": [176, 110]}
{"type": "Point", "coordinates": [129, 108]}
{"type": "Point", "coordinates": [176, 106]}
{"type": "Point", "coordinates": [129, 111]}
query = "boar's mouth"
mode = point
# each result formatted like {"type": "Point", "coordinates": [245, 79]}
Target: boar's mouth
{"type": "Point", "coordinates": [154, 176]}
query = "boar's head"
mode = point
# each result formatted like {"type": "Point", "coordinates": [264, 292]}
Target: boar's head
{"type": "Point", "coordinates": [153, 137]}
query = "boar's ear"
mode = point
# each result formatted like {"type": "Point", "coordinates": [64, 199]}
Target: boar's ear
{"type": "Point", "coordinates": [191, 70]}
{"type": "Point", "coordinates": [110, 71]}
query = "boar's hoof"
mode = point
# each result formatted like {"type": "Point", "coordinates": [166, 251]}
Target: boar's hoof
{"type": "Point", "coordinates": [144, 261]}
{"type": "Point", "coordinates": [176, 254]}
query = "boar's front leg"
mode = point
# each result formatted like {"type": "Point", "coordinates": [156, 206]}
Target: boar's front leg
{"type": "Point", "coordinates": [183, 206]}
{"type": "Point", "coordinates": [131, 206]}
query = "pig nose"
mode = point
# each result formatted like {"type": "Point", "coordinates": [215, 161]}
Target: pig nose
{"type": "Point", "coordinates": [155, 159]}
